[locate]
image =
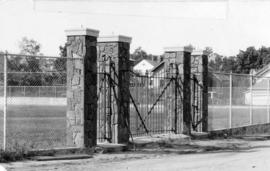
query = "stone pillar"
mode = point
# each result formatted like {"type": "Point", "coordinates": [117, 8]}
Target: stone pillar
{"type": "Point", "coordinates": [199, 67]}
{"type": "Point", "coordinates": [81, 87]}
{"type": "Point", "coordinates": [116, 48]}
{"type": "Point", "coordinates": [181, 57]}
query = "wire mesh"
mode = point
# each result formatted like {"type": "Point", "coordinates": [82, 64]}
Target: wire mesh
{"type": "Point", "coordinates": [219, 101]}
{"type": "Point", "coordinates": [260, 100]}
{"type": "Point", "coordinates": [36, 101]}
{"type": "Point", "coordinates": [237, 100]}
{"type": "Point", "coordinates": [241, 106]}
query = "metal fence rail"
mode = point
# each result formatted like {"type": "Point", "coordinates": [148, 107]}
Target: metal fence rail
{"type": "Point", "coordinates": [237, 100]}
{"type": "Point", "coordinates": [34, 91]}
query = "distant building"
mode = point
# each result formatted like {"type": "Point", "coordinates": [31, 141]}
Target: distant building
{"type": "Point", "coordinates": [158, 75]}
{"type": "Point", "coordinates": [144, 66]}
{"type": "Point", "coordinates": [260, 87]}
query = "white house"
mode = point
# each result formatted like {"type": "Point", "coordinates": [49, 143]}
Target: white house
{"type": "Point", "coordinates": [144, 66]}
{"type": "Point", "coordinates": [158, 75]}
{"type": "Point", "coordinates": [260, 88]}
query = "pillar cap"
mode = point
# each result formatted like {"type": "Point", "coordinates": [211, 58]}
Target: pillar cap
{"type": "Point", "coordinates": [82, 32]}
{"type": "Point", "coordinates": [200, 52]}
{"type": "Point", "coordinates": [118, 38]}
{"type": "Point", "coordinates": [178, 49]}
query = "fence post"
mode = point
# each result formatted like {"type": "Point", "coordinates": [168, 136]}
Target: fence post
{"type": "Point", "coordinates": [251, 100]}
{"type": "Point", "coordinates": [175, 99]}
{"type": "Point", "coordinates": [55, 92]}
{"type": "Point", "coordinates": [268, 100]}
{"type": "Point", "coordinates": [205, 91]}
{"type": "Point", "coordinates": [181, 56]}
{"type": "Point", "coordinates": [230, 101]}
{"type": "Point", "coordinates": [81, 87]}
{"type": "Point", "coordinates": [116, 49]}
{"type": "Point", "coordinates": [5, 104]}
{"type": "Point", "coordinates": [199, 67]}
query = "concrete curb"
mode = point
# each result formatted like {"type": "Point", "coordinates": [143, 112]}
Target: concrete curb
{"type": "Point", "coordinates": [110, 148]}
{"type": "Point", "coordinates": [61, 151]}
{"type": "Point", "coordinates": [62, 157]}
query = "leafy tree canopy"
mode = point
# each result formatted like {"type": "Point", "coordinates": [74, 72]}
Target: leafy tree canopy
{"type": "Point", "coordinates": [29, 47]}
{"type": "Point", "coordinates": [243, 62]}
{"type": "Point", "coordinates": [139, 54]}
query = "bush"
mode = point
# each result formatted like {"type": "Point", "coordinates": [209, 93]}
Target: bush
{"type": "Point", "coordinates": [13, 155]}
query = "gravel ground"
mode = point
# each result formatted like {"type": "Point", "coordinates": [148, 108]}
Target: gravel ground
{"type": "Point", "coordinates": [222, 154]}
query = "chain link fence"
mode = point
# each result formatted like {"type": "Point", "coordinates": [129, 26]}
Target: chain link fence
{"type": "Point", "coordinates": [35, 98]}
{"type": "Point", "coordinates": [35, 91]}
{"type": "Point", "coordinates": [237, 100]}
{"type": "Point", "coordinates": [2, 99]}
{"type": "Point", "coordinates": [33, 102]}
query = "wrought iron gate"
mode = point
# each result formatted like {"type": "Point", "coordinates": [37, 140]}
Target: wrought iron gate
{"type": "Point", "coordinates": [156, 102]}
{"type": "Point", "coordinates": [106, 100]}
{"type": "Point", "coordinates": [196, 103]}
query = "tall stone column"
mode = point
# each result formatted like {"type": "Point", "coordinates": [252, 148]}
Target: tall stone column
{"type": "Point", "coordinates": [116, 50]}
{"type": "Point", "coordinates": [180, 56]}
{"type": "Point", "coordinates": [199, 67]}
{"type": "Point", "coordinates": [81, 87]}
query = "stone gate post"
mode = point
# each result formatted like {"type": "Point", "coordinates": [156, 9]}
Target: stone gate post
{"type": "Point", "coordinates": [199, 67]}
{"type": "Point", "coordinates": [181, 56]}
{"type": "Point", "coordinates": [117, 49]}
{"type": "Point", "coordinates": [81, 87]}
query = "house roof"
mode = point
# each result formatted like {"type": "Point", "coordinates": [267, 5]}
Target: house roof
{"type": "Point", "coordinates": [261, 84]}
{"type": "Point", "coordinates": [161, 64]}
{"type": "Point", "coordinates": [262, 71]}
{"type": "Point", "coordinates": [153, 63]}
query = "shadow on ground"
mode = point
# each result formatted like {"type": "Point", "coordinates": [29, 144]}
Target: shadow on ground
{"type": "Point", "coordinates": [184, 145]}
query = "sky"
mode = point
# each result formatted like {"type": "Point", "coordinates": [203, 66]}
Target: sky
{"type": "Point", "coordinates": [225, 25]}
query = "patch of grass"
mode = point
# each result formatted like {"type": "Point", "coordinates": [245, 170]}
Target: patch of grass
{"type": "Point", "coordinates": [15, 153]}
{"type": "Point", "coordinates": [218, 116]}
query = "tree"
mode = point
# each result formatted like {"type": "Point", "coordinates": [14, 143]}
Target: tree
{"type": "Point", "coordinates": [216, 63]}
{"type": "Point", "coordinates": [60, 65]}
{"type": "Point", "coordinates": [228, 64]}
{"type": "Point", "coordinates": [27, 67]}
{"type": "Point", "coordinates": [264, 55]}
{"type": "Point", "coordinates": [29, 47]}
{"type": "Point", "coordinates": [139, 54]}
{"type": "Point", "coordinates": [209, 50]}
{"type": "Point", "coordinates": [243, 62]}
{"type": "Point", "coordinates": [247, 60]}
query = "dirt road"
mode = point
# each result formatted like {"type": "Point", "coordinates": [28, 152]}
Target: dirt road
{"type": "Point", "coordinates": [200, 155]}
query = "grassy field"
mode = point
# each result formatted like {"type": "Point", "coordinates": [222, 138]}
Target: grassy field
{"type": "Point", "coordinates": [36, 126]}
{"type": "Point", "coordinates": [219, 116]}
{"type": "Point", "coordinates": [44, 126]}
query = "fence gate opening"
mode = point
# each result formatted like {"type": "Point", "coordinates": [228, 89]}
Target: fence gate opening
{"type": "Point", "coordinates": [156, 99]}
{"type": "Point", "coordinates": [196, 104]}
{"type": "Point", "coordinates": [106, 100]}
